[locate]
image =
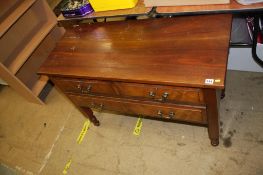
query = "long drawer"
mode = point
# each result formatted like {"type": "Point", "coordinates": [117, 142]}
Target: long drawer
{"type": "Point", "coordinates": [134, 107]}
{"type": "Point", "coordinates": [150, 92]}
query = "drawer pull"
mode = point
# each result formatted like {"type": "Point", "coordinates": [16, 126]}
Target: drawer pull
{"type": "Point", "coordinates": [96, 106]}
{"type": "Point", "coordinates": [160, 114]}
{"type": "Point", "coordinates": [79, 86]}
{"type": "Point", "coordinates": [165, 96]}
{"type": "Point", "coordinates": [152, 94]}
{"type": "Point", "coordinates": [92, 105]}
{"type": "Point", "coordinates": [88, 89]}
{"type": "Point", "coordinates": [101, 107]}
{"type": "Point", "coordinates": [171, 115]}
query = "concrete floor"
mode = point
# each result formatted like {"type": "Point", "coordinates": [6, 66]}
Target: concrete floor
{"type": "Point", "coordinates": [42, 139]}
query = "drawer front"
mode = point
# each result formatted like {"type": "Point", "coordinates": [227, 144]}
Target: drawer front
{"type": "Point", "coordinates": [133, 107]}
{"type": "Point", "coordinates": [159, 92]}
{"type": "Point", "coordinates": [85, 87]}
{"type": "Point", "coordinates": [132, 90]}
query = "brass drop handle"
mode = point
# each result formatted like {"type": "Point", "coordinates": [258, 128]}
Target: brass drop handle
{"type": "Point", "coordinates": [87, 90]}
{"type": "Point", "coordinates": [159, 113]}
{"type": "Point", "coordinates": [165, 96]}
{"type": "Point", "coordinates": [92, 105]}
{"type": "Point", "coordinates": [101, 107]}
{"type": "Point", "coordinates": [152, 94]}
{"type": "Point", "coordinates": [171, 115]}
{"type": "Point", "coordinates": [79, 87]}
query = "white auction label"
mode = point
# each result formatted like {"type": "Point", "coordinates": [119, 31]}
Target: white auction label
{"type": "Point", "coordinates": [209, 81]}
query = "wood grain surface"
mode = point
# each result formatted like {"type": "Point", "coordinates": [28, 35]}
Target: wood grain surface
{"type": "Point", "coordinates": [131, 90]}
{"type": "Point", "coordinates": [232, 7]}
{"type": "Point", "coordinates": [182, 51]}
{"type": "Point", "coordinates": [151, 109]}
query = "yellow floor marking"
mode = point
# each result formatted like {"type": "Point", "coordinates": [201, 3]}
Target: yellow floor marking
{"type": "Point", "coordinates": [83, 131]}
{"type": "Point", "coordinates": [67, 166]}
{"type": "Point", "coordinates": [138, 127]}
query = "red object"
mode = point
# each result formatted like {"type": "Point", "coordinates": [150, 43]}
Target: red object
{"type": "Point", "coordinates": [260, 38]}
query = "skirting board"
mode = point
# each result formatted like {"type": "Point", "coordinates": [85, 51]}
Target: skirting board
{"type": "Point", "coordinates": [241, 59]}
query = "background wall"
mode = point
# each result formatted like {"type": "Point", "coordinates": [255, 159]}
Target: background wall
{"type": "Point", "coordinates": [241, 59]}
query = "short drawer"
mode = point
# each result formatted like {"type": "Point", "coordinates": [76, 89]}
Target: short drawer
{"type": "Point", "coordinates": [159, 93]}
{"type": "Point", "coordinates": [151, 109]}
{"type": "Point", "coordinates": [85, 87]}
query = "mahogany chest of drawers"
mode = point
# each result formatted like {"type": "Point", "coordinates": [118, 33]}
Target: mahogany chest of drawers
{"type": "Point", "coordinates": [164, 68]}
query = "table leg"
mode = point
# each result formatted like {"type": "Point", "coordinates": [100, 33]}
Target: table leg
{"type": "Point", "coordinates": [91, 116]}
{"type": "Point", "coordinates": [212, 115]}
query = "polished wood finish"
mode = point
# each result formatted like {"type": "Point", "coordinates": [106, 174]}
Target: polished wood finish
{"type": "Point", "coordinates": [85, 87]}
{"type": "Point", "coordinates": [156, 68]}
{"type": "Point", "coordinates": [135, 107]}
{"type": "Point", "coordinates": [159, 93]}
{"type": "Point", "coordinates": [148, 51]}
{"type": "Point", "coordinates": [212, 115]}
{"type": "Point", "coordinates": [199, 9]}
{"type": "Point", "coordinates": [131, 90]}
{"type": "Point", "coordinates": [139, 9]}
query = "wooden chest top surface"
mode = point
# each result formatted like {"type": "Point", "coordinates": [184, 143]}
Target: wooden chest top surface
{"type": "Point", "coordinates": [181, 51]}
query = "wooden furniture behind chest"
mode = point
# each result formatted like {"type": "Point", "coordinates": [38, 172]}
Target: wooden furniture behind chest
{"type": "Point", "coordinates": [157, 68]}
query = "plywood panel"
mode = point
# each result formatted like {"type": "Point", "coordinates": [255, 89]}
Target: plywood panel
{"type": "Point", "coordinates": [17, 85]}
{"type": "Point", "coordinates": [11, 11]}
{"type": "Point", "coordinates": [7, 7]}
{"type": "Point", "coordinates": [28, 73]}
{"type": "Point", "coordinates": [25, 35]}
{"type": "Point", "coordinates": [22, 31]}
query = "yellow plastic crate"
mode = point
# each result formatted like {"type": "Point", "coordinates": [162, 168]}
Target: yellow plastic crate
{"type": "Point", "coordinates": [104, 5]}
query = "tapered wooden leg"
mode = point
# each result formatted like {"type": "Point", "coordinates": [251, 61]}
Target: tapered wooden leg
{"type": "Point", "coordinates": [91, 116]}
{"type": "Point", "coordinates": [212, 115]}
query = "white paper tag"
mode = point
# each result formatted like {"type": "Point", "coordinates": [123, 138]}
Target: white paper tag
{"type": "Point", "coordinates": [209, 81]}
